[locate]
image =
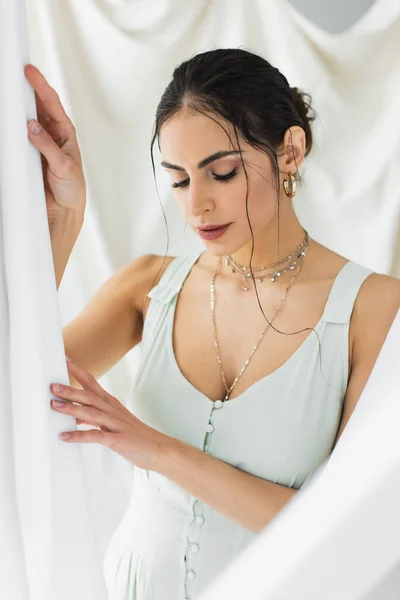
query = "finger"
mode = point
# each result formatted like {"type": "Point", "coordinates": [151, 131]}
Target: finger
{"type": "Point", "coordinates": [59, 162]}
{"type": "Point", "coordinates": [88, 399]}
{"type": "Point", "coordinates": [89, 413]}
{"type": "Point", "coordinates": [51, 114]}
{"type": "Point", "coordinates": [92, 436]}
{"type": "Point", "coordinates": [72, 395]}
{"type": "Point", "coordinates": [82, 422]}
{"type": "Point", "coordinates": [60, 134]}
{"type": "Point", "coordinates": [49, 104]}
{"type": "Point", "coordinates": [89, 383]}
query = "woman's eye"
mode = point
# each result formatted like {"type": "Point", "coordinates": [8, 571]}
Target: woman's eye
{"type": "Point", "coordinates": [217, 177]}
{"type": "Point", "coordinates": [180, 184]}
{"type": "Point", "coordinates": [225, 177]}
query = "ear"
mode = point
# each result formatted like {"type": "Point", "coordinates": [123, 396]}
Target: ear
{"type": "Point", "coordinates": [291, 154]}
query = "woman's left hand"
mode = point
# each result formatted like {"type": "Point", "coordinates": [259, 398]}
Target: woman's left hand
{"type": "Point", "coordinates": [118, 428]}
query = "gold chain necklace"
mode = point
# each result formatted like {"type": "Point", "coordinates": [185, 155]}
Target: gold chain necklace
{"type": "Point", "coordinates": [274, 264]}
{"type": "Point", "coordinates": [294, 257]}
{"type": "Point", "coordinates": [229, 389]}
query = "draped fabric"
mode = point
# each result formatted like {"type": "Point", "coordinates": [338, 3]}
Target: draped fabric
{"type": "Point", "coordinates": [110, 61]}
{"type": "Point", "coordinates": [46, 527]}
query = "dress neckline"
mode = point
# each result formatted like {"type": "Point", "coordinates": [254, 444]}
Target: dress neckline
{"type": "Point", "coordinates": [269, 376]}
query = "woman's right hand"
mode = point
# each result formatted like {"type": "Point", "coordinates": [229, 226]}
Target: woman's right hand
{"type": "Point", "coordinates": [63, 177]}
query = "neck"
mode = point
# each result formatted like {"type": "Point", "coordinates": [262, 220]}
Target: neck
{"type": "Point", "coordinates": [266, 248]}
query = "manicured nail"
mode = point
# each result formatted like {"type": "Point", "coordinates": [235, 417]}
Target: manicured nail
{"type": "Point", "coordinates": [34, 127]}
{"type": "Point", "coordinates": [65, 436]}
{"type": "Point", "coordinates": [59, 403]}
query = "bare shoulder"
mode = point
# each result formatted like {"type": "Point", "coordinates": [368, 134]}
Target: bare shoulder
{"type": "Point", "coordinates": [374, 311]}
{"type": "Point", "coordinates": [145, 272]}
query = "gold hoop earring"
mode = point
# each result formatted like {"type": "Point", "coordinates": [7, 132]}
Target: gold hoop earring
{"type": "Point", "coordinates": [290, 189]}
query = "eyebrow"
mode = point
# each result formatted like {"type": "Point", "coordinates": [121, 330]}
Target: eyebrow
{"type": "Point", "coordinates": [206, 161]}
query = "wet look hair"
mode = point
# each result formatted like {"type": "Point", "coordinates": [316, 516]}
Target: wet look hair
{"type": "Point", "coordinates": [249, 93]}
{"type": "Point", "coordinates": [244, 89]}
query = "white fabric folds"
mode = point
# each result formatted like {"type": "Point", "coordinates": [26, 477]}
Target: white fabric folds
{"type": "Point", "coordinates": [47, 545]}
{"type": "Point", "coordinates": [110, 61]}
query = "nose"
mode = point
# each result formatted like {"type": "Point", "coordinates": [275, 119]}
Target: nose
{"type": "Point", "coordinates": [199, 200]}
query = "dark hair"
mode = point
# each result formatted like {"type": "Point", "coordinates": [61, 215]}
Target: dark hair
{"type": "Point", "coordinates": [248, 92]}
{"type": "Point", "coordinates": [244, 89]}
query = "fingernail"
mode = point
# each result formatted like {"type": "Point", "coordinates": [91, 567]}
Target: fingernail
{"type": "Point", "coordinates": [68, 358]}
{"type": "Point", "coordinates": [34, 127]}
{"type": "Point", "coordinates": [59, 403]}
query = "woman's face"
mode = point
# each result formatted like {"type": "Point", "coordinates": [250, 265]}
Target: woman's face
{"type": "Point", "coordinates": [215, 193]}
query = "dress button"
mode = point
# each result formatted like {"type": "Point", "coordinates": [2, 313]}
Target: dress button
{"type": "Point", "coordinates": [210, 428]}
{"type": "Point", "coordinates": [218, 404]}
{"type": "Point", "coordinates": [194, 547]}
{"type": "Point", "coordinates": [199, 520]}
{"type": "Point", "coordinates": [191, 574]}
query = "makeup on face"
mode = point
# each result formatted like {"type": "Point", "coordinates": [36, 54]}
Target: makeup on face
{"type": "Point", "coordinates": [210, 231]}
{"type": "Point", "coordinates": [216, 156]}
{"type": "Point", "coordinates": [213, 234]}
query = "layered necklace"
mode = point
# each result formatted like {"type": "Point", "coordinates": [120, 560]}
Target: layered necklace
{"type": "Point", "coordinates": [296, 260]}
{"type": "Point", "coordinates": [292, 259]}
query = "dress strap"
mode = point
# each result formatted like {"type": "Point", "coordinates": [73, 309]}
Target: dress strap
{"type": "Point", "coordinates": [174, 277]}
{"type": "Point", "coordinates": [344, 292]}
{"type": "Point", "coordinates": [161, 297]}
{"type": "Point", "coordinates": [165, 291]}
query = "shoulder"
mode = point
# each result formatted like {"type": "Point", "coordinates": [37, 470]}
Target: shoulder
{"type": "Point", "coordinates": [376, 303]}
{"type": "Point", "coordinates": [144, 273]}
{"type": "Point", "coordinates": [374, 311]}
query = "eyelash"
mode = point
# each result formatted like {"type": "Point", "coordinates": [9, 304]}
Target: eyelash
{"type": "Point", "coordinates": [225, 178]}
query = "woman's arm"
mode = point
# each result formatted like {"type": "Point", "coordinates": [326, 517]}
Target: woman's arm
{"type": "Point", "coordinates": [374, 311]}
{"type": "Point", "coordinates": [251, 501]}
{"type": "Point", "coordinates": [248, 500]}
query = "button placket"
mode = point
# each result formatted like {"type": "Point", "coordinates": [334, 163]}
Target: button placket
{"type": "Point", "coordinates": [199, 519]}
{"type": "Point", "coordinates": [193, 547]}
{"type": "Point", "coordinates": [210, 427]}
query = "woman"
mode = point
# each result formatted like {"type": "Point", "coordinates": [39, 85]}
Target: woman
{"type": "Point", "coordinates": [236, 401]}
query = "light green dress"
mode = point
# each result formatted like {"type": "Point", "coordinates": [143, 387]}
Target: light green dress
{"type": "Point", "coordinates": [170, 545]}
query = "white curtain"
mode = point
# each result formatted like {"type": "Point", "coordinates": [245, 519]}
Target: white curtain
{"type": "Point", "coordinates": [46, 528]}
{"type": "Point", "coordinates": [110, 61]}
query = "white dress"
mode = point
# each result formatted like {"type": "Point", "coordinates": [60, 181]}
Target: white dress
{"type": "Point", "coordinates": [169, 545]}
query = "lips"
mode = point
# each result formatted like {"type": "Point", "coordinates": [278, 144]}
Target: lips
{"type": "Point", "coordinates": [213, 234]}
{"type": "Point", "coordinates": [213, 227]}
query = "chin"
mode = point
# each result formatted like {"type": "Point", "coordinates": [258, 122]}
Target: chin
{"type": "Point", "coordinates": [223, 246]}
{"type": "Point", "coordinates": [220, 250]}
